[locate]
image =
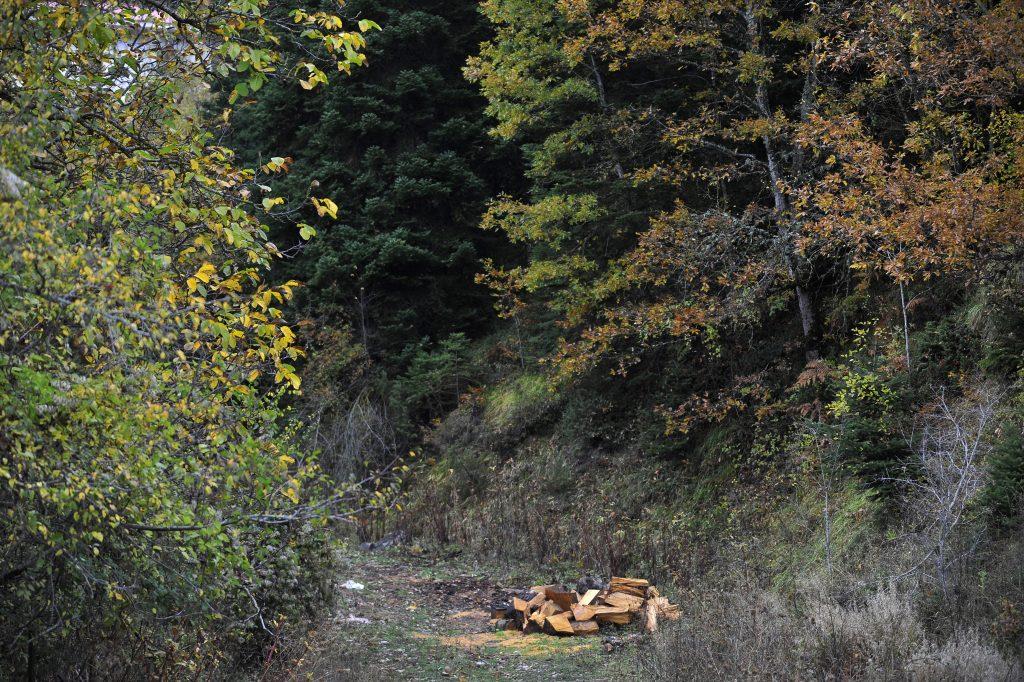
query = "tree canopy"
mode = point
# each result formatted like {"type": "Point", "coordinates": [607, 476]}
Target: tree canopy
{"type": "Point", "coordinates": [148, 480]}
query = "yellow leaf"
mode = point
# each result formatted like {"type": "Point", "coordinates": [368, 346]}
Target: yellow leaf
{"type": "Point", "coordinates": [325, 207]}
{"type": "Point", "coordinates": [206, 272]}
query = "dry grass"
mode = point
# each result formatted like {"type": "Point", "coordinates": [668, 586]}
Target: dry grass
{"type": "Point", "coordinates": [750, 633]}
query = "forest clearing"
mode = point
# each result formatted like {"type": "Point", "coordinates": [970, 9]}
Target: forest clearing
{"type": "Point", "coordinates": [511, 339]}
{"type": "Point", "coordinates": [427, 619]}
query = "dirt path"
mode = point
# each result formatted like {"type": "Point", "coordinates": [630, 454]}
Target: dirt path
{"type": "Point", "coordinates": [420, 618]}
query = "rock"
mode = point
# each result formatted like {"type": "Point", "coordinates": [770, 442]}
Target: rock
{"type": "Point", "coordinates": [501, 609]}
{"type": "Point", "coordinates": [590, 582]}
{"type": "Point", "coordinates": [389, 540]}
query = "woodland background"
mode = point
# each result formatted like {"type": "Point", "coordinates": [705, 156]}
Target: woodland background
{"type": "Point", "coordinates": [727, 294]}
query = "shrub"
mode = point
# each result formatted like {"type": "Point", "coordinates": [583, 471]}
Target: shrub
{"type": "Point", "coordinates": [749, 633]}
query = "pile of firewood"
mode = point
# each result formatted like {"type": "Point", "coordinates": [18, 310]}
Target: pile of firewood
{"type": "Point", "coordinates": [556, 610]}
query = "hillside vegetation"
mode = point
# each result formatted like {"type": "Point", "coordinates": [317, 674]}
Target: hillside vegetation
{"type": "Point", "coordinates": [724, 294]}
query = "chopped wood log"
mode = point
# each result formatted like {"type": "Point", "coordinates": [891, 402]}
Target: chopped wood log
{"type": "Point", "coordinates": [581, 612]}
{"type": "Point", "coordinates": [627, 589]}
{"type": "Point", "coordinates": [586, 627]}
{"type": "Point", "coordinates": [559, 624]}
{"type": "Point", "coordinates": [650, 616]}
{"type": "Point", "coordinates": [623, 600]}
{"type": "Point", "coordinates": [564, 600]}
{"type": "Point", "coordinates": [562, 611]}
{"type": "Point", "coordinates": [613, 614]}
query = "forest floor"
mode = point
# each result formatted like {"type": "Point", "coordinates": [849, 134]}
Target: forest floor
{"type": "Point", "coordinates": [424, 617]}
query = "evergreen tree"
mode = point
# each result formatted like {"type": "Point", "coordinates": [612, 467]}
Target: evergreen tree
{"type": "Point", "coordinates": [411, 174]}
{"type": "Point", "coordinates": [1005, 491]}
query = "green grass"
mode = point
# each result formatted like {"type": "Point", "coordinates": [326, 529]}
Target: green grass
{"type": "Point", "coordinates": [428, 643]}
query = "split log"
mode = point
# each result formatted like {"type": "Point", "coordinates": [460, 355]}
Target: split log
{"type": "Point", "coordinates": [623, 600]}
{"type": "Point", "coordinates": [550, 608]}
{"type": "Point", "coordinates": [634, 586]}
{"type": "Point", "coordinates": [589, 596]}
{"type": "Point", "coordinates": [613, 614]}
{"type": "Point", "coordinates": [627, 589]}
{"type": "Point", "coordinates": [559, 624]}
{"type": "Point", "coordinates": [581, 612]}
{"type": "Point", "coordinates": [650, 616]}
{"type": "Point", "coordinates": [564, 600]}
{"type": "Point", "coordinates": [537, 600]}
{"type": "Point", "coordinates": [586, 627]}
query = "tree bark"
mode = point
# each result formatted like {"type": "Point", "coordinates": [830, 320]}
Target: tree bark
{"type": "Point", "coordinates": [10, 185]}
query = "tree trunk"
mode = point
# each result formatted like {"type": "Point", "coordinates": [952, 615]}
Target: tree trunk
{"type": "Point", "coordinates": [603, 98]}
{"type": "Point", "coordinates": [804, 296]}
